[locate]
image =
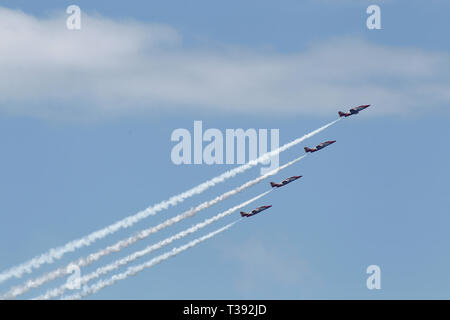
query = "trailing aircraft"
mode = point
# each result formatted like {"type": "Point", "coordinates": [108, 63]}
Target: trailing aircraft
{"type": "Point", "coordinates": [254, 211]}
{"type": "Point", "coordinates": [319, 146]}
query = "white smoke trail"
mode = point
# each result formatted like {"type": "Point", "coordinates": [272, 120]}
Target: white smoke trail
{"type": "Point", "coordinates": [131, 271]}
{"type": "Point", "coordinates": [82, 262]}
{"type": "Point", "coordinates": [58, 252]}
{"type": "Point", "coordinates": [132, 257]}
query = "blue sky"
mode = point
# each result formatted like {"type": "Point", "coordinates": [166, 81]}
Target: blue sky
{"type": "Point", "coordinates": [82, 151]}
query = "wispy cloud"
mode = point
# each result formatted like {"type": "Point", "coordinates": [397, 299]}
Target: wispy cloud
{"type": "Point", "coordinates": [269, 265]}
{"type": "Point", "coordinates": [112, 68]}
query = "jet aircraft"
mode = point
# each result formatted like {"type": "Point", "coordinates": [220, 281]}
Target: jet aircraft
{"type": "Point", "coordinates": [284, 182]}
{"type": "Point", "coordinates": [254, 211]}
{"type": "Point", "coordinates": [320, 146]}
{"type": "Point", "coordinates": [353, 111]}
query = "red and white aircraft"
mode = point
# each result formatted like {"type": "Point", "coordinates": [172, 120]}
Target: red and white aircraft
{"type": "Point", "coordinates": [353, 111]}
{"type": "Point", "coordinates": [320, 146]}
{"type": "Point", "coordinates": [284, 182]}
{"type": "Point", "coordinates": [254, 211]}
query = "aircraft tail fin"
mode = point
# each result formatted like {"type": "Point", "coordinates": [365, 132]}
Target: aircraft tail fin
{"type": "Point", "coordinates": [307, 149]}
{"type": "Point", "coordinates": [273, 184]}
{"type": "Point", "coordinates": [341, 114]}
{"type": "Point", "coordinates": [243, 214]}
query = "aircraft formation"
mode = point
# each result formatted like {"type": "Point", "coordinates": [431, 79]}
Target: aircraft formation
{"type": "Point", "coordinates": [320, 146]}
{"type": "Point", "coordinates": [54, 254]}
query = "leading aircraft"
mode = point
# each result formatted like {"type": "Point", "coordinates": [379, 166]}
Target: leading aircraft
{"type": "Point", "coordinates": [284, 182]}
{"type": "Point", "coordinates": [320, 146]}
{"type": "Point", "coordinates": [254, 211]}
{"type": "Point", "coordinates": [353, 111]}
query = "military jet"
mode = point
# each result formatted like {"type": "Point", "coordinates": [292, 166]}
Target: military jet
{"type": "Point", "coordinates": [254, 211]}
{"type": "Point", "coordinates": [320, 146]}
{"type": "Point", "coordinates": [284, 182]}
{"type": "Point", "coordinates": [353, 111]}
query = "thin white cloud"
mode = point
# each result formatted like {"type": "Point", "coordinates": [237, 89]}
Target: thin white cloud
{"type": "Point", "coordinates": [270, 265]}
{"type": "Point", "coordinates": [112, 68]}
